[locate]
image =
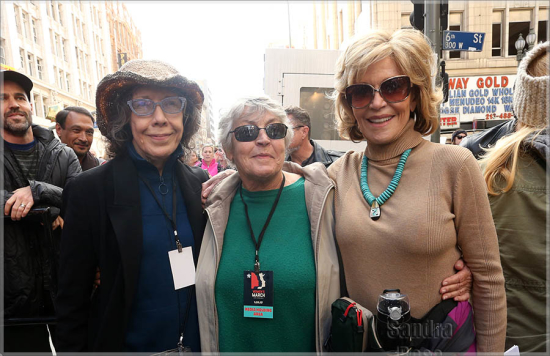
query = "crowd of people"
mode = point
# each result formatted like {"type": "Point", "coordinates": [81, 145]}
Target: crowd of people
{"type": "Point", "coordinates": [163, 248]}
{"type": "Point", "coordinates": [212, 159]}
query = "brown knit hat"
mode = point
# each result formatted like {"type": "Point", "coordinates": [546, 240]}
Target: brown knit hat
{"type": "Point", "coordinates": [113, 87]}
{"type": "Point", "coordinates": [531, 93]}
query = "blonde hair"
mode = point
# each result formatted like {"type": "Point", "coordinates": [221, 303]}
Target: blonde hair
{"type": "Point", "coordinates": [500, 162]}
{"type": "Point", "coordinates": [539, 66]}
{"type": "Point", "coordinates": [413, 56]}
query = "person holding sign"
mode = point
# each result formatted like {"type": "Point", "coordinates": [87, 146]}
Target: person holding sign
{"type": "Point", "coordinates": [138, 218]}
{"type": "Point", "coordinates": [268, 269]}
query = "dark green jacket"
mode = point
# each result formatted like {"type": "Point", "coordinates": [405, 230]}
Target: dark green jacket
{"type": "Point", "coordinates": [520, 220]}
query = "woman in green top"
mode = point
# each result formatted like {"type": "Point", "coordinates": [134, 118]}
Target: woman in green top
{"type": "Point", "coordinates": [268, 269]}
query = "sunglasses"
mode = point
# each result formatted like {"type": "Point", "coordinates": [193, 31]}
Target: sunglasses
{"type": "Point", "coordinates": [145, 107]}
{"type": "Point", "coordinates": [392, 90]}
{"type": "Point", "coordinates": [249, 133]}
{"type": "Point", "coordinates": [461, 137]}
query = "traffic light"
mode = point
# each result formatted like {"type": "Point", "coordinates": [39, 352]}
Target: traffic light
{"type": "Point", "coordinates": [417, 16]}
{"type": "Point", "coordinates": [444, 13]}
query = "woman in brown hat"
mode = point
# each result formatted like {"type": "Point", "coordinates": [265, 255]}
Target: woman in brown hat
{"type": "Point", "coordinates": [138, 219]}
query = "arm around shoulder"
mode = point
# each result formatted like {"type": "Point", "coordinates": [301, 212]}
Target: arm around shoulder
{"type": "Point", "coordinates": [478, 241]}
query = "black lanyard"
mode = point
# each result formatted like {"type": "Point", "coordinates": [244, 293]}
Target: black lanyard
{"type": "Point", "coordinates": [173, 218]}
{"type": "Point", "coordinates": [190, 291]}
{"type": "Point", "coordinates": [258, 243]}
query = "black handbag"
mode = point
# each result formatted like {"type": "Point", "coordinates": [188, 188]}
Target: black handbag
{"type": "Point", "coordinates": [352, 328]}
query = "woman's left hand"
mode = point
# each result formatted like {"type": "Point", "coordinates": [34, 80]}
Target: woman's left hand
{"type": "Point", "coordinates": [459, 285]}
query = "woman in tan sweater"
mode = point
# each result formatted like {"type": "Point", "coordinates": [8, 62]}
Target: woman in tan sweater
{"type": "Point", "coordinates": [406, 208]}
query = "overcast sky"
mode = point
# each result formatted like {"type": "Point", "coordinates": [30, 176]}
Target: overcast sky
{"type": "Point", "coordinates": [221, 42]}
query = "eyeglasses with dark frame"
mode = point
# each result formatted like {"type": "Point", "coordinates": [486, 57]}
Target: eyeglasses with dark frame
{"type": "Point", "coordinates": [460, 137]}
{"type": "Point", "coordinates": [392, 90]}
{"type": "Point", "coordinates": [298, 127]}
{"type": "Point", "coordinates": [146, 107]}
{"type": "Point", "coordinates": [248, 133]}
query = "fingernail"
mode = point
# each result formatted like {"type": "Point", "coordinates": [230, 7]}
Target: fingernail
{"type": "Point", "coordinates": [443, 291]}
{"type": "Point", "coordinates": [445, 283]}
{"type": "Point", "coordinates": [444, 297]}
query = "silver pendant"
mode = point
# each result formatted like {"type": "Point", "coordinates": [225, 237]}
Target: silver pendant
{"type": "Point", "coordinates": [375, 211]}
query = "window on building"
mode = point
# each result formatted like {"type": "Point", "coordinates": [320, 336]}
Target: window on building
{"type": "Point", "coordinates": [83, 63]}
{"type": "Point", "coordinates": [68, 81]}
{"type": "Point", "coordinates": [30, 63]}
{"type": "Point", "coordinates": [497, 34]}
{"type": "Point", "coordinates": [34, 31]}
{"type": "Point", "coordinates": [77, 58]}
{"type": "Point", "coordinates": [2, 53]}
{"type": "Point", "coordinates": [36, 100]}
{"type": "Point", "coordinates": [39, 67]}
{"type": "Point", "coordinates": [77, 28]}
{"type": "Point", "coordinates": [90, 92]}
{"type": "Point", "coordinates": [543, 26]}
{"type": "Point", "coordinates": [84, 33]}
{"type": "Point", "coordinates": [87, 64]}
{"type": "Point", "coordinates": [64, 49]}
{"type": "Point", "coordinates": [22, 57]}
{"type": "Point", "coordinates": [44, 107]}
{"type": "Point", "coordinates": [58, 45]}
{"type": "Point", "coordinates": [60, 12]}
{"type": "Point", "coordinates": [61, 79]}
{"type": "Point", "coordinates": [52, 40]}
{"type": "Point", "coordinates": [455, 24]}
{"type": "Point", "coordinates": [25, 18]}
{"type": "Point", "coordinates": [519, 21]}
{"type": "Point", "coordinates": [17, 19]}
{"type": "Point", "coordinates": [317, 103]}
{"type": "Point", "coordinates": [53, 11]}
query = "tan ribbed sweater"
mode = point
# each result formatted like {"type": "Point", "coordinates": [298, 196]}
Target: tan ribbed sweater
{"type": "Point", "coordinates": [439, 209]}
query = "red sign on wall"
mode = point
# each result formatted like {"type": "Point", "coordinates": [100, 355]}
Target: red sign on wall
{"type": "Point", "coordinates": [449, 122]}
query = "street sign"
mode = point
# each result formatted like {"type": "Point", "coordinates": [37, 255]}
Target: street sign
{"type": "Point", "coordinates": [463, 41]}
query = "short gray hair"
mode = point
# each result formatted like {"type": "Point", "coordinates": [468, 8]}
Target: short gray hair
{"type": "Point", "coordinates": [253, 106]}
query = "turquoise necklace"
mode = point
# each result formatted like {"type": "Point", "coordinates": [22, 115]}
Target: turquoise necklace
{"type": "Point", "coordinates": [375, 203]}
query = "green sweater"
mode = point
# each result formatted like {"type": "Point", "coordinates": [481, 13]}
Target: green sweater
{"type": "Point", "coordinates": [287, 251]}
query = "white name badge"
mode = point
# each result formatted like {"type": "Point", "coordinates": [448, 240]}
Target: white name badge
{"type": "Point", "coordinates": [183, 267]}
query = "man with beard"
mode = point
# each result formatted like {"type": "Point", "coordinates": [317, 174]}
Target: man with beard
{"type": "Point", "coordinates": [36, 168]}
{"type": "Point", "coordinates": [75, 128]}
{"type": "Point", "coordinates": [303, 150]}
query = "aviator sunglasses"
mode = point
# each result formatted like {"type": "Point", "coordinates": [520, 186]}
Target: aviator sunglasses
{"type": "Point", "coordinates": [392, 90]}
{"type": "Point", "coordinates": [145, 107]}
{"type": "Point", "coordinates": [249, 133]}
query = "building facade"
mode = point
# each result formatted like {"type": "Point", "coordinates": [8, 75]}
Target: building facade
{"type": "Point", "coordinates": [207, 131]}
{"type": "Point", "coordinates": [125, 37]}
{"type": "Point", "coordinates": [480, 83]}
{"type": "Point", "coordinates": [65, 48]}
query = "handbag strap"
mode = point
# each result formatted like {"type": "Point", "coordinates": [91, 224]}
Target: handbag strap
{"type": "Point", "coordinates": [343, 285]}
